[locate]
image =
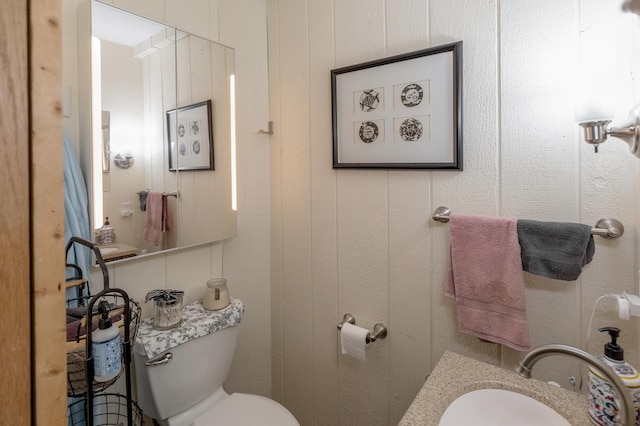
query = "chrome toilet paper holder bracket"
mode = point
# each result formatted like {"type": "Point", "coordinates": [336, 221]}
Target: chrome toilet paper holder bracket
{"type": "Point", "coordinates": [379, 329]}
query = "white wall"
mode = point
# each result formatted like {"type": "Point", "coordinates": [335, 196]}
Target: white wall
{"type": "Point", "coordinates": [243, 260]}
{"type": "Point", "coordinates": [122, 96]}
{"type": "Point", "coordinates": [363, 242]}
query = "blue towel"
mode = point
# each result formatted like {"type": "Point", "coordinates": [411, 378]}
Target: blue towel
{"type": "Point", "coordinates": [555, 249]}
{"type": "Point", "coordinates": [76, 214]}
{"type": "Point", "coordinates": [76, 223]}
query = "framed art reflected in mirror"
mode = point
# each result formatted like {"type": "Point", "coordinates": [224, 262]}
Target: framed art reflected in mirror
{"type": "Point", "coordinates": [190, 137]}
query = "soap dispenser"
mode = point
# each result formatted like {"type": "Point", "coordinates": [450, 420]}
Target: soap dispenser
{"type": "Point", "coordinates": [602, 396]}
{"type": "Point", "coordinates": [107, 234]}
{"type": "Point", "coordinates": [106, 347]}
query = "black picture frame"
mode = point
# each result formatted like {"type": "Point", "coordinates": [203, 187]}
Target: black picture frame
{"type": "Point", "coordinates": [190, 137]}
{"type": "Point", "coordinates": [401, 112]}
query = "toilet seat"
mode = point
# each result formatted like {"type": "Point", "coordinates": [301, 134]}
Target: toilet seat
{"type": "Point", "coordinates": [241, 409]}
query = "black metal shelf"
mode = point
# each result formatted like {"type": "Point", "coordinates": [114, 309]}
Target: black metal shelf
{"type": "Point", "coordinates": [93, 405]}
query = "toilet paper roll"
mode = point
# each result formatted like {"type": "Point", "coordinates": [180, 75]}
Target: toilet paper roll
{"type": "Point", "coordinates": [354, 341]}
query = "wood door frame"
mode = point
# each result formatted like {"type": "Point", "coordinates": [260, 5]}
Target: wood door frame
{"type": "Point", "coordinates": [49, 359]}
{"type": "Point", "coordinates": [15, 273]}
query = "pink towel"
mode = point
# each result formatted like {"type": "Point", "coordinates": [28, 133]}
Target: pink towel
{"type": "Point", "coordinates": [487, 281]}
{"type": "Point", "coordinates": [157, 220]}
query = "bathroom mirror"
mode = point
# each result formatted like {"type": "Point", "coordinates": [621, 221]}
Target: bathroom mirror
{"type": "Point", "coordinates": [150, 80]}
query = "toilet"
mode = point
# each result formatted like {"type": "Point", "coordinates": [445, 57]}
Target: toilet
{"type": "Point", "coordinates": [180, 373]}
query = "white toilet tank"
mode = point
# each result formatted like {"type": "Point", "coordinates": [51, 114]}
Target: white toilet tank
{"type": "Point", "coordinates": [191, 362]}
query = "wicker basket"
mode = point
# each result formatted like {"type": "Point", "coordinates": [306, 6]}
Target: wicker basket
{"type": "Point", "coordinates": [77, 351]}
{"type": "Point", "coordinates": [109, 409]}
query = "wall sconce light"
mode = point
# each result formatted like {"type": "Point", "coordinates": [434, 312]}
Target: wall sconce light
{"type": "Point", "coordinates": [597, 131]}
{"type": "Point", "coordinates": [123, 160]}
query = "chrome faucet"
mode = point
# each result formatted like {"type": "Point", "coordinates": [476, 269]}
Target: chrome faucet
{"type": "Point", "coordinates": [624, 397]}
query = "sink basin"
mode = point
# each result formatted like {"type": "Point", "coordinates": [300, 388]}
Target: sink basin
{"type": "Point", "coordinates": [499, 407]}
{"type": "Point", "coordinates": [107, 250]}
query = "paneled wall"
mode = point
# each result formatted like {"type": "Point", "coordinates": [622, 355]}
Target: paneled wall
{"type": "Point", "coordinates": [122, 97]}
{"type": "Point", "coordinates": [362, 241]}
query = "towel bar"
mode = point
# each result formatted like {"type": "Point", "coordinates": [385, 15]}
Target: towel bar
{"type": "Point", "coordinates": [166, 194]}
{"type": "Point", "coordinates": [379, 329]}
{"type": "Point", "coordinates": [607, 228]}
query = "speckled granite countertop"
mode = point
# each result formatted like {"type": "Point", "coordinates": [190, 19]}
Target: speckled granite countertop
{"type": "Point", "coordinates": [456, 375]}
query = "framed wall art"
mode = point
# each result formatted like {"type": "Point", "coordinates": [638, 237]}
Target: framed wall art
{"type": "Point", "coordinates": [402, 112]}
{"type": "Point", "coordinates": [190, 136]}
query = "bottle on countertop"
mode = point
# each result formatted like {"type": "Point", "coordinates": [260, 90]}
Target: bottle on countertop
{"type": "Point", "coordinates": [106, 347]}
{"type": "Point", "coordinates": [107, 234]}
{"type": "Point", "coordinates": [602, 396]}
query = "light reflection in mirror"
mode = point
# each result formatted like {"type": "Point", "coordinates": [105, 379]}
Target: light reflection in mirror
{"type": "Point", "coordinates": [232, 111]}
{"type": "Point", "coordinates": [96, 136]}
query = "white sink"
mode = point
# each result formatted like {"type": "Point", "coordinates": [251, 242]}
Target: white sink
{"type": "Point", "coordinates": [107, 250]}
{"type": "Point", "coordinates": [498, 407]}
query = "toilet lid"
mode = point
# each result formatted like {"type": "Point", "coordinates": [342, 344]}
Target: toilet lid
{"type": "Point", "coordinates": [241, 409]}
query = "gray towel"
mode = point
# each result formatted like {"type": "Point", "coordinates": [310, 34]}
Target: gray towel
{"type": "Point", "coordinates": [555, 249]}
{"type": "Point", "coordinates": [142, 195]}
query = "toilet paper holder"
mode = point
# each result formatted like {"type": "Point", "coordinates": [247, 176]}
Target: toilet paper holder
{"type": "Point", "coordinates": [379, 329]}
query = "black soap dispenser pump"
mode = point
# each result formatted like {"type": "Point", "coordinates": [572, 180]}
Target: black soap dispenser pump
{"type": "Point", "coordinates": [612, 350]}
{"type": "Point", "coordinates": [602, 395]}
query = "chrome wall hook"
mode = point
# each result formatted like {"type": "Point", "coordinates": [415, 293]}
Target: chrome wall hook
{"type": "Point", "coordinates": [379, 329]}
{"type": "Point", "coordinates": [267, 132]}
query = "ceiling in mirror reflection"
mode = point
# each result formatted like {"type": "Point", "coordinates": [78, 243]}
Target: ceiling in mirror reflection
{"type": "Point", "coordinates": [121, 27]}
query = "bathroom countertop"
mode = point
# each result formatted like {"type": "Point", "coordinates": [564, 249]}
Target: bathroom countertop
{"type": "Point", "coordinates": [455, 375]}
{"type": "Point", "coordinates": [117, 251]}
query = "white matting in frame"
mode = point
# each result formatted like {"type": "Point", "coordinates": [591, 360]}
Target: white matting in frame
{"type": "Point", "coordinates": [400, 112]}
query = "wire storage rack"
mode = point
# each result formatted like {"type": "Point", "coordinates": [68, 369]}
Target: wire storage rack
{"type": "Point", "coordinates": [92, 405]}
{"type": "Point", "coordinates": [109, 409]}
